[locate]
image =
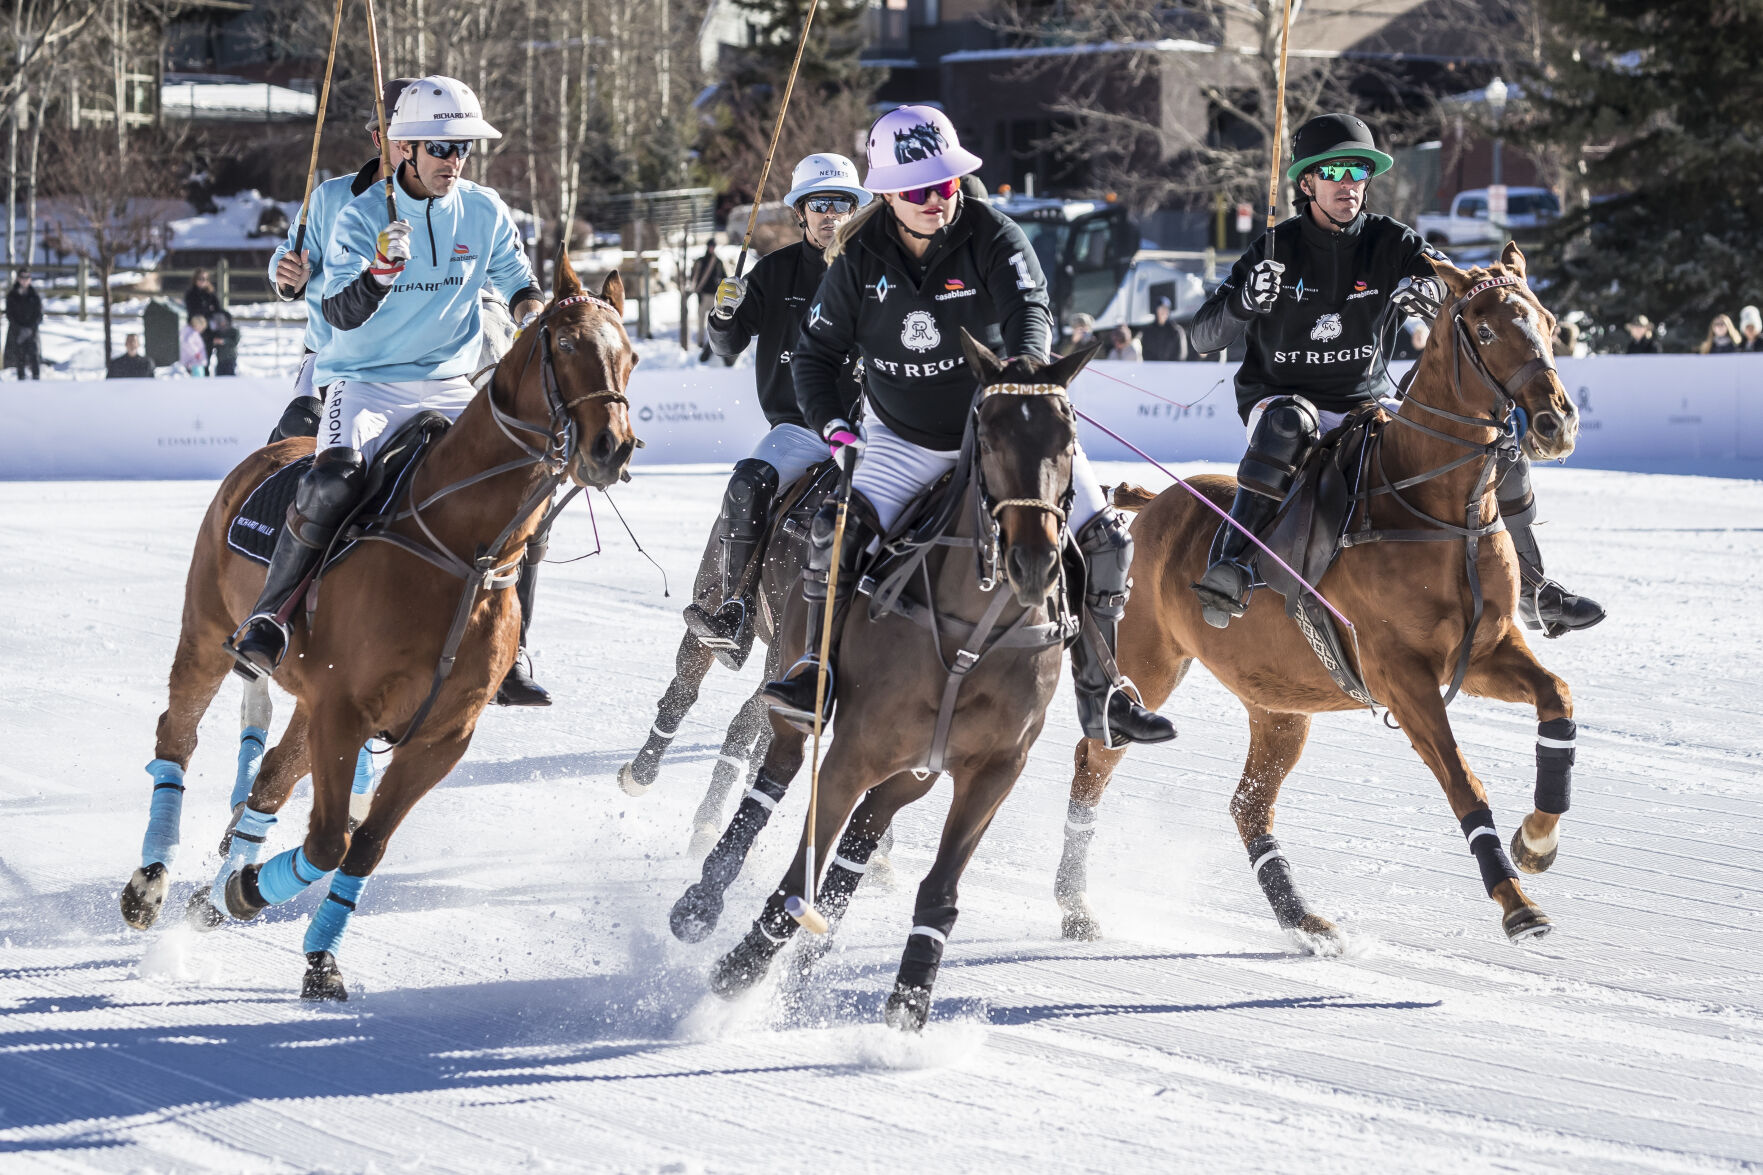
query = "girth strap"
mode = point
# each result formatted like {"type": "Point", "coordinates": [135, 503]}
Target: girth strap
{"type": "Point", "coordinates": [966, 657]}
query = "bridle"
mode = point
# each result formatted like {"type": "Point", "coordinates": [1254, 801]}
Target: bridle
{"type": "Point", "coordinates": [990, 527]}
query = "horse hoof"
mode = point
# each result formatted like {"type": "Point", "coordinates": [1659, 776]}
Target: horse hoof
{"type": "Point", "coordinates": [201, 914]}
{"type": "Point", "coordinates": [144, 895]}
{"type": "Point", "coordinates": [1080, 926]}
{"type": "Point", "coordinates": [1526, 859]}
{"type": "Point", "coordinates": [696, 913]}
{"type": "Point", "coordinates": [908, 1008]}
{"type": "Point", "coordinates": [243, 899]}
{"type": "Point", "coordinates": [627, 779]}
{"type": "Point", "coordinates": [736, 972]}
{"type": "Point", "coordinates": [1318, 935]}
{"type": "Point", "coordinates": [704, 838]}
{"type": "Point", "coordinates": [1526, 922]}
{"type": "Point", "coordinates": [323, 981]}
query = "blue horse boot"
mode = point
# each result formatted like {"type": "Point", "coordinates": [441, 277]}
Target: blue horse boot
{"type": "Point", "coordinates": [283, 878]}
{"type": "Point", "coordinates": [252, 740]}
{"type": "Point", "coordinates": [323, 979]}
{"type": "Point", "coordinates": [361, 791]}
{"type": "Point", "coordinates": [145, 893]}
{"type": "Point", "coordinates": [249, 831]}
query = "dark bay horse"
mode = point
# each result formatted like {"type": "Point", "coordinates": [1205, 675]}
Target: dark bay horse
{"type": "Point", "coordinates": [1412, 603]}
{"type": "Point", "coordinates": [413, 632]}
{"type": "Point", "coordinates": [895, 673]}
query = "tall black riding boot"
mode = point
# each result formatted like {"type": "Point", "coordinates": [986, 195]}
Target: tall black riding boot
{"type": "Point", "coordinates": [518, 687]}
{"type": "Point", "coordinates": [321, 503]}
{"type": "Point", "coordinates": [728, 631]}
{"type": "Point", "coordinates": [1542, 603]}
{"type": "Point", "coordinates": [1108, 705]}
{"type": "Point", "coordinates": [792, 697]}
{"type": "Point", "coordinates": [1284, 436]}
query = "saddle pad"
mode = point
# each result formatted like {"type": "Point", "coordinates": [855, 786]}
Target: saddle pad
{"type": "Point", "coordinates": [259, 521]}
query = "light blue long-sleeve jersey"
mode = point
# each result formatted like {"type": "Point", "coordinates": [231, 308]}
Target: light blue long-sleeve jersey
{"type": "Point", "coordinates": [427, 326]}
{"type": "Point", "coordinates": [328, 199]}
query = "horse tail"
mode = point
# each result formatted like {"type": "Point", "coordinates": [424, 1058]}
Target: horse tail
{"type": "Point", "coordinates": [1132, 498]}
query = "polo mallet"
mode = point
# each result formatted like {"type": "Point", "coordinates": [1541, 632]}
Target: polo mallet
{"type": "Point", "coordinates": [776, 130]}
{"type": "Point", "coordinates": [324, 97]}
{"type": "Point", "coordinates": [379, 110]}
{"type": "Point", "coordinates": [1279, 117]}
{"type": "Point", "coordinates": [802, 909]}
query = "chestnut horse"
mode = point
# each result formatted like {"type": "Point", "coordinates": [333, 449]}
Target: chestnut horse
{"type": "Point", "coordinates": [1412, 602]}
{"type": "Point", "coordinates": [413, 632]}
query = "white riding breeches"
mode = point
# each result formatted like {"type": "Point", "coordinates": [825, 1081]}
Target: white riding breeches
{"type": "Point", "coordinates": [790, 449]}
{"type": "Point", "coordinates": [303, 375]}
{"type": "Point", "coordinates": [360, 416]}
{"type": "Point", "coordinates": [893, 471]}
{"type": "Point", "coordinates": [1330, 420]}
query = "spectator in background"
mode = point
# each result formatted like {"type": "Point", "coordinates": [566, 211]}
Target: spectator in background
{"type": "Point", "coordinates": [222, 339]}
{"type": "Point", "coordinates": [1723, 337]}
{"type": "Point", "coordinates": [1411, 340]}
{"type": "Point", "coordinates": [24, 319]}
{"type": "Point", "coordinates": [192, 350]}
{"type": "Point", "coordinates": [1642, 339]}
{"type": "Point", "coordinates": [707, 274]}
{"type": "Point", "coordinates": [1750, 329]}
{"type": "Point", "coordinates": [1163, 341]}
{"type": "Point", "coordinates": [1125, 348]}
{"type": "Point", "coordinates": [1083, 331]}
{"type": "Point", "coordinates": [131, 364]}
{"type": "Point", "coordinates": [200, 298]}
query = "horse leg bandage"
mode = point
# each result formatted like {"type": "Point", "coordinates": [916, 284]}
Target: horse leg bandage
{"type": "Point", "coordinates": [164, 814]}
{"type": "Point", "coordinates": [843, 873]}
{"type": "Point", "coordinates": [249, 833]}
{"type": "Point", "coordinates": [252, 740]}
{"type": "Point", "coordinates": [724, 863]}
{"type": "Point", "coordinates": [1555, 746]}
{"type": "Point", "coordinates": [332, 916]}
{"type": "Point", "coordinates": [1490, 854]}
{"type": "Point", "coordinates": [363, 773]}
{"type": "Point", "coordinates": [286, 875]}
{"type": "Point", "coordinates": [923, 956]}
{"type": "Point", "coordinates": [1274, 874]}
{"type": "Point", "coordinates": [1073, 880]}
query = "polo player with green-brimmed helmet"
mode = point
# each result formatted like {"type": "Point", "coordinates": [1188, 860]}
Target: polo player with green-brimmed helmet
{"type": "Point", "coordinates": [1310, 297]}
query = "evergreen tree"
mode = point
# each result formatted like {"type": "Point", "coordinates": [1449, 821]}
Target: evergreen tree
{"type": "Point", "coordinates": [1658, 110]}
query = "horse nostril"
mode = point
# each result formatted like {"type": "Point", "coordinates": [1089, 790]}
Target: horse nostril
{"type": "Point", "coordinates": [605, 444]}
{"type": "Point", "coordinates": [1547, 426]}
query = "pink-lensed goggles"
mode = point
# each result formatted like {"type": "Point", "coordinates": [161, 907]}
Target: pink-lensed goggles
{"type": "Point", "coordinates": [945, 190]}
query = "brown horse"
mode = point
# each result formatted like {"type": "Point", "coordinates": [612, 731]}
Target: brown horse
{"type": "Point", "coordinates": [896, 671]}
{"type": "Point", "coordinates": [1412, 603]}
{"type": "Point", "coordinates": [412, 635]}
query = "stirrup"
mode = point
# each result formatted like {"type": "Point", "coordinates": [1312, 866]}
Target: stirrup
{"type": "Point", "coordinates": [797, 712]}
{"type": "Point", "coordinates": [1218, 607]}
{"type": "Point", "coordinates": [707, 627]}
{"type": "Point", "coordinates": [245, 665]}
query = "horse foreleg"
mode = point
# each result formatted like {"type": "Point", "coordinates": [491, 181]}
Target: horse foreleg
{"type": "Point", "coordinates": [1276, 740]}
{"type": "Point", "coordinates": [690, 665]}
{"type": "Point", "coordinates": [1414, 699]}
{"type": "Point", "coordinates": [1511, 673]}
{"type": "Point", "coordinates": [978, 793]}
{"type": "Point", "coordinates": [255, 712]}
{"type": "Point", "coordinates": [744, 733]}
{"type": "Point", "coordinates": [254, 818]}
{"type": "Point", "coordinates": [697, 911]}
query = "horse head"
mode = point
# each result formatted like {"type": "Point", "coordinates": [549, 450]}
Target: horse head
{"type": "Point", "coordinates": [1025, 434]}
{"type": "Point", "coordinates": [1497, 327]}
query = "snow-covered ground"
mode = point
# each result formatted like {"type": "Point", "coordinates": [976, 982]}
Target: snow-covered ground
{"type": "Point", "coordinates": [519, 1005]}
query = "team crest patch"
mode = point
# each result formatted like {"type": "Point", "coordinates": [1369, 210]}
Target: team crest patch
{"type": "Point", "coordinates": [1327, 327]}
{"type": "Point", "coordinates": [881, 288]}
{"type": "Point", "coordinates": [919, 331]}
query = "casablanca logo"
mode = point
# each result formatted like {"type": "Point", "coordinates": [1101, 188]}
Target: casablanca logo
{"type": "Point", "coordinates": [954, 283]}
{"type": "Point", "coordinates": [919, 331]}
{"type": "Point", "coordinates": [920, 142]}
{"type": "Point", "coordinates": [462, 249]}
{"type": "Point", "coordinates": [1327, 327]}
{"type": "Point", "coordinates": [881, 288]}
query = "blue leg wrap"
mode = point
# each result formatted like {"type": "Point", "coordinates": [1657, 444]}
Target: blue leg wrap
{"type": "Point", "coordinates": [248, 837]}
{"type": "Point", "coordinates": [332, 917]}
{"type": "Point", "coordinates": [363, 773]}
{"type": "Point", "coordinates": [251, 743]}
{"type": "Point", "coordinates": [286, 875]}
{"type": "Point", "coordinates": [165, 814]}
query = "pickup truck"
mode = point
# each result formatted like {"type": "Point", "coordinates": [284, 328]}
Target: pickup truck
{"type": "Point", "coordinates": [1467, 222]}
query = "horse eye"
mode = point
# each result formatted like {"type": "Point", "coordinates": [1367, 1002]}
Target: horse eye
{"type": "Point", "coordinates": [1484, 332]}
{"type": "Point", "coordinates": [566, 344]}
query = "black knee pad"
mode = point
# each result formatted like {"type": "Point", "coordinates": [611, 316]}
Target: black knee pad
{"type": "Point", "coordinates": [1517, 498]}
{"type": "Point", "coordinates": [325, 494]}
{"type": "Point", "coordinates": [299, 419]}
{"type": "Point", "coordinates": [1106, 542]}
{"type": "Point", "coordinates": [1288, 429]}
{"type": "Point", "coordinates": [748, 497]}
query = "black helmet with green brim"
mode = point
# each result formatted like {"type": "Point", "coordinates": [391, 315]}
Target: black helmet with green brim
{"type": "Point", "coordinates": [1335, 136]}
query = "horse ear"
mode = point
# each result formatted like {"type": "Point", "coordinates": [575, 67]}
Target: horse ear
{"type": "Point", "coordinates": [1457, 279]}
{"type": "Point", "coordinates": [1513, 258]}
{"type": "Point", "coordinates": [613, 291]}
{"type": "Point", "coordinates": [980, 358]}
{"type": "Point", "coordinates": [1065, 368]}
{"type": "Point", "coordinates": [568, 285]}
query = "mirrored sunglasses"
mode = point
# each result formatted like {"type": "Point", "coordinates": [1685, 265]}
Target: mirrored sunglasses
{"type": "Point", "coordinates": [830, 205]}
{"type": "Point", "coordinates": [946, 190]}
{"type": "Point", "coordinates": [447, 149]}
{"type": "Point", "coordinates": [1342, 171]}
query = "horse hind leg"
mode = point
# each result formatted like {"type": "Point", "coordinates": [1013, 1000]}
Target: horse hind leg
{"type": "Point", "coordinates": [691, 664]}
{"type": "Point", "coordinates": [197, 670]}
{"type": "Point", "coordinates": [740, 747]}
{"type": "Point", "coordinates": [254, 818]}
{"type": "Point", "coordinates": [1276, 740]}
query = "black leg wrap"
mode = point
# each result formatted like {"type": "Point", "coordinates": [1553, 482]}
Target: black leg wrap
{"type": "Point", "coordinates": [1555, 752]}
{"type": "Point", "coordinates": [696, 913]}
{"type": "Point", "coordinates": [751, 958]}
{"type": "Point", "coordinates": [843, 874]}
{"type": "Point", "coordinates": [1274, 875]}
{"type": "Point", "coordinates": [924, 949]}
{"type": "Point", "coordinates": [1490, 854]}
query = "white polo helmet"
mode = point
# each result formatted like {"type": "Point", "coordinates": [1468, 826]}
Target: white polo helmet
{"type": "Point", "coordinates": [913, 147]}
{"type": "Point", "coordinates": [826, 173]}
{"type": "Point", "coordinates": [439, 108]}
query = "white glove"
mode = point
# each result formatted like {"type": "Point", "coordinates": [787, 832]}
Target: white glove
{"type": "Point", "coordinates": [1420, 297]}
{"type": "Point", "coordinates": [1261, 291]}
{"type": "Point", "coordinates": [393, 251]}
{"type": "Point", "coordinates": [729, 293]}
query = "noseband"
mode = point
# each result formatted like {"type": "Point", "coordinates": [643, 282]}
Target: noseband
{"type": "Point", "coordinates": [560, 437]}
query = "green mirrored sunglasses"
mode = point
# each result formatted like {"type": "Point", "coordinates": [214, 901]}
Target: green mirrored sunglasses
{"type": "Point", "coordinates": [1340, 171]}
